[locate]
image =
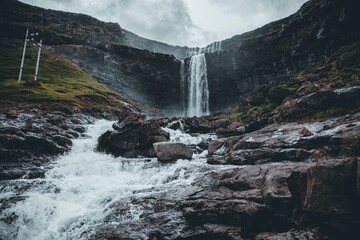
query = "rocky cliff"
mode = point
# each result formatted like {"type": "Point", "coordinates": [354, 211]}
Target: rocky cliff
{"type": "Point", "coordinates": [281, 49]}
{"type": "Point", "coordinates": [130, 64]}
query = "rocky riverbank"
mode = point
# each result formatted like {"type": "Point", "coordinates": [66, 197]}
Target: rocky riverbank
{"type": "Point", "coordinates": [295, 181]}
{"type": "Point", "coordinates": [32, 138]}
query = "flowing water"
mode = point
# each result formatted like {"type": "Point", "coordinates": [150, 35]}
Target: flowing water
{"type": "Point", "coordinates": [211, 48]}
{"type": "Point", "coordinates": [194, 87]}
{"type": "Point", "coordinates": [198, 100]}
{"type": "Point", "coordinates": [194, 82]}
{"type": "Point", "coordinates": [80, 188]}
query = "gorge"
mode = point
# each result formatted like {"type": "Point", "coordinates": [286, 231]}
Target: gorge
{"type": "Point", "coordinates": [271, 119]}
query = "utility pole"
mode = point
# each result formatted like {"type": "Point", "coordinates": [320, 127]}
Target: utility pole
{"type": "Point", "coordinates": [38, 60]}
{"type": "Point", "coordinates": [23, 55]}
{"type": "Point", "coordinates": [39, 45]}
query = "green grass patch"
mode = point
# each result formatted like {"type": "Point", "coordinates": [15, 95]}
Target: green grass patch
{"type": "Point", "coordinates": [63, 85]}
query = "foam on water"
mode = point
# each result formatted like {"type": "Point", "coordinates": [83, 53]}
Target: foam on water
{"type": "Point", "coordinates": [78, 191]}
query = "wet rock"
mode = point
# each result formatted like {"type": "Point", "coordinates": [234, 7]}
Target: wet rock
{"type": "Point", "coordinates": [289, 142]}
{"type": "Point", "coordinates": [175, 125]}
{"type": "Point", "coordinates": [306, 89]}
{"type": "Point", "coordinates": [219, 123]}
{"type": "Point", "coordinates": [215, 146]}
{"type": "Point", "coordinates": [305, 132]}
{"type": "Point", "coordinates": [33, 139]}
{"type": "Point", "coordinates": [133, 136]}
{"type": "Point", "coordinates": [318, 100]}
{"type": "Point", "coordinates": [170, 151]}
{"type": "Point", "coordinates": [348, 94]}
{"type": "Point", "coordinates": [331, 195]}
{"type": "Point", "coordinates": [198, 124]}
{"type": "Point", "coordinates": [277, 94]}
{"type": "Point", "coordinates": [80, 129]}
{"type": "Point", "coordinates": [12, 114]}
{"type": "Point", "coordinates": [236, 125]}
{"type": "Point", "coordinates": [256, 125]}
{"type": "Point", "coordinates": [203, 145]}
{"type": "Point", "coordinates": [311, 234]}
{"type": "Point", "coordinates": [250, 198]}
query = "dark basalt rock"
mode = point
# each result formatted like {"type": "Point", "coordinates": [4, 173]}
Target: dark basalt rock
{"type": "Point", "coordinates": [278, 94]}
{"type": "Point", "coordinates": [308, 234]}
{"type": "Point", "coordinates": [287, 142]}
{"type": "Point", "coordinates": [276, 51]}
{"type": "Point", "coordinates": [327, 195]}
{"type": "Point", "coordinates": [197, 124]}
{"type": "Point", "coordinates": [33, 139]}
{"type": "Point", "coordinates": [171, 151]}
{"type": "Point", "coordinates": [133, 136]}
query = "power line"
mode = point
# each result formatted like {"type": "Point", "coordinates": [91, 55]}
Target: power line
{"type": "Point", "coordinates": [30, 37]}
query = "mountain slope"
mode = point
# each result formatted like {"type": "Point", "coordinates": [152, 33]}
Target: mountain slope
{"type": "Point", "coordinates": [62, 86]}
{"type": "Point", "coordinates": [281, 49]}
{"type": "Point", "coordinates": [101, 49]}
{"type": "Point", "coordinates": [60, 27]}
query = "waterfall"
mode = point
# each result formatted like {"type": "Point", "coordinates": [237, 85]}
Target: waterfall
{"type": "Point", "coordinates": [211, 48]}
{"type": "Point", "coordinates": [198, 100]}
{"type": "Point", "coordinates": [183, 88]}
{"type": "Point", "coordinates": [194, 92]}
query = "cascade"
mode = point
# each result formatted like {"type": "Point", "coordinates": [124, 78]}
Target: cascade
{"type": "Point", "coordinates": [211, 48]}
{"type": "Point", "coordinates": [194, 83]}
{"type": "Point", "coordinates": [81, 190]}
{"type": "Point", "coordinates": [183, 88]}
{"type": "Point", "coordinates": [198, 89]}
{"type": "Point", "coordinates": [194, 87]}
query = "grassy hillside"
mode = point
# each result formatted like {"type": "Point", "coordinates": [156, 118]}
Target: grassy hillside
{"type": "Point", "coordinates": [63, 85]}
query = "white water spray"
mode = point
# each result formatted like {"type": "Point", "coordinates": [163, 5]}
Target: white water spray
{"type": "Point", "coordinates": [78, 192]}
{"type": "Point", "coordinates": [198, 99]}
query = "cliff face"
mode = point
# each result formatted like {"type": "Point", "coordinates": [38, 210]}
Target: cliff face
{"type": "Point", "coordinates": [147, 70]}
{"type": "Point", "coordinates": [280, 49]}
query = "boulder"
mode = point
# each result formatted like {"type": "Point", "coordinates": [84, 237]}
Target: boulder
{"type": "Point", "coordinates": [198, 124]}
{"type": "Point", "coordinates": [132, 137]}
{"type": "Point", "coordinates": [277, 94]}
{"type": "Point", "coordinates": [171, 151]}
{"type": "Point", "coordinates": [305, 132]}
{"type": "Point", "coordinates": [327, 193]}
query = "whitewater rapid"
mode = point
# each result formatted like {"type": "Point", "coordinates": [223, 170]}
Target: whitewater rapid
{"type": "Point", "coordinates": [79, 189]}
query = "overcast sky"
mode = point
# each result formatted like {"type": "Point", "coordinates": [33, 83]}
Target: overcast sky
{"type": "Point", "coordinates": [181, 22]}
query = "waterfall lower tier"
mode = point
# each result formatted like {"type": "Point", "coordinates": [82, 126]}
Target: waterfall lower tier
{"type": "Point", "coordinates": [195, 89]}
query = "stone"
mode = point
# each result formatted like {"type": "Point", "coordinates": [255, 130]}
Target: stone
{"type": "Point", "coordinates": [171, 151]}
{"type": "Point", "coordinates": [305, 132]}
{"type": "Point", "coordinates": [277, 94]}
{"type": "Point", "coordinates": [12, 114]}
{"type": "Point", "coordinates": [318, 100]}
{"type": "Point", "coordinates": [327, 193]}
{"type": "Point", "coordinates": [293, 234]}
{"type": "Point", "coordinates": [197, 124]}
{"type": "Point", "coordinates": [132, 136]}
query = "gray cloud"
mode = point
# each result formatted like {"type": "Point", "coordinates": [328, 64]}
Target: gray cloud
{"type": "Point", "coordinates": [255, 13]}
{"type": "Point", "coordinates": [172, 21]}
{"type": "Point", "coordinates": [161, 20]}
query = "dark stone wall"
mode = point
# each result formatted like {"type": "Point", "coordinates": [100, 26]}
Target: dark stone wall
{"type": "Point", "coordinates": [280, 49]}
